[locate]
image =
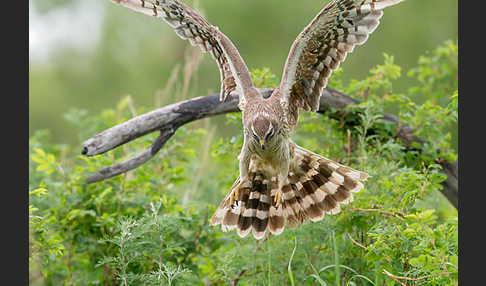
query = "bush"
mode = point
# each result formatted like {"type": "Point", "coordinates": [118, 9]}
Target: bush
{"type": "Point", "coordinates": [150, 226]}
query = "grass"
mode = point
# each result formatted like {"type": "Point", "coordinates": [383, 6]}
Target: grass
{"type": "Point", "coordinates": [337, 268]}
{"type": "Point", "coordinates": [289, 268]}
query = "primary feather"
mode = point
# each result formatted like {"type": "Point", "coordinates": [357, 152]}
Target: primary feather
{"type": "Point", "coordinates": [322, 46]}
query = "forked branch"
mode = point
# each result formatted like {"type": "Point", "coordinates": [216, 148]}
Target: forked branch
{"type": "Point", "coordinates": [167, 119]}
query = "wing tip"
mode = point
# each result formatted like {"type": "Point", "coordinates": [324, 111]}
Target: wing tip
{"type": "Point", "coordinates": [386, 3]}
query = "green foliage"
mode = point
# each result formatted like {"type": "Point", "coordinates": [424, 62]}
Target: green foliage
{"type": "Point", "coordinates": [437, 73]}
{"type": "Point", "coordinates": [264, 78]}
{"type": "Point", "coordinates": [135, 229]}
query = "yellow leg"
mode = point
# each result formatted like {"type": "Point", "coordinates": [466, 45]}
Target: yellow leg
{"type": "Point", "coordinates": [235, 193]}
{"type": "Point", "coordinates": [282, 181]}
{"type": "Point", "coordinates": [277, 198]}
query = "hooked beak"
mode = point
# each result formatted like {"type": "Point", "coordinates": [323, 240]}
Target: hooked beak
{"type": "Point", "coordinates": [262, 143]}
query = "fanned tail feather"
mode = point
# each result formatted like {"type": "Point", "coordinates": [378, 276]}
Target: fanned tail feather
{"type": "Point", "coordinates": [317, 186]}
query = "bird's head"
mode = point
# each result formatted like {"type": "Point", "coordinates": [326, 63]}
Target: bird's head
{"type": "Point", "coordinates": [262, 130]}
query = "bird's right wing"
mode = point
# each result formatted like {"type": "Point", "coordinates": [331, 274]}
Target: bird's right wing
{"type": "Point", "coordinates": [190, 25]}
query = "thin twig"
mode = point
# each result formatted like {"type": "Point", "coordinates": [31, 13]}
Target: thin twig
{"type": "Point", "coordinates": [238, 277]}
{"type": "Point", "coordinates": [396, 279]}
{"type": "Point", "coordinates": [413, 279]}
{"type": "Point", "coordinates": [203, 162]}
{"type": "Point", "coordinates": [131, 106]}
{"type": "Point", "coordinates": [379, 211]}
{"type": "Point", "coordinates": [349, 145]}
{"type": "Point", "coordinates": [355, 242]}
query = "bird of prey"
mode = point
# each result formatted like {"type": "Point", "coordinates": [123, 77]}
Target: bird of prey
{"type": "Point", "coordinates": [279, 182]}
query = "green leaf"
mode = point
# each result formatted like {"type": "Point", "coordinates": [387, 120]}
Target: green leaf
{"type": "Point", "coordinates": [39, 192]}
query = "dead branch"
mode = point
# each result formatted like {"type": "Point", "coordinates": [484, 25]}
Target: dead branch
{"type": "Point", "coordinates": [167, 119]}
{"type": "Point", "coordinates": [133, 162]}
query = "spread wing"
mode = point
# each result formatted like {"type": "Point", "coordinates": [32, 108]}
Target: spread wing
{"type": "Point", "coordinates": [321, 47]}
{"type": "Point", "coordinates": [190, 25]}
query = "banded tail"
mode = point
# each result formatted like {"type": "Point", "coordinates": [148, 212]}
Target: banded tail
{"type": "Point", "coordinates": [316, 186]}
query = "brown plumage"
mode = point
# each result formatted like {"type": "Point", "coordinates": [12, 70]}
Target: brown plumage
{"type": "Point", "coordinates": [280, 183]}
{"type": "Point", "coordinates": [316, 186]}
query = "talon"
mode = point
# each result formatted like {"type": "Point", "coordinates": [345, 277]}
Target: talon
{"type": "Point", "coordinates": [277, 198]}
{"type": "Point", "coordinates": [235, 194]}
{"type": "Point", "coordinates": [232, 200]}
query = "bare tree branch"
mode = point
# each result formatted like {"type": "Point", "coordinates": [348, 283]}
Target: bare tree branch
{"type": "Point", "coordinates": [133, 162]}
{"type": "Point", "coordinates": [167, 119]}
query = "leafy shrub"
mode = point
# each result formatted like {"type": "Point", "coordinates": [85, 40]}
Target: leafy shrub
{"type": "Point", "coordinates": [136, 229]}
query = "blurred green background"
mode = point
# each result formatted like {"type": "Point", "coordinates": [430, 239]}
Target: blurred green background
{"type": "Point", "coordinates": [87, 54]}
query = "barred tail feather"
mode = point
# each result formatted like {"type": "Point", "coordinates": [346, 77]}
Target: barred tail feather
{"type": "Point", "coordinates": [323, 184]}
{"type": "Point", "coordinates": [317, 186]}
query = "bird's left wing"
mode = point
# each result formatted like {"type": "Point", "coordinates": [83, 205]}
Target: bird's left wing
{"type": "Point", "coordinates": [190, 25]}
{"type": "Point", "coordinates": [321, 47]}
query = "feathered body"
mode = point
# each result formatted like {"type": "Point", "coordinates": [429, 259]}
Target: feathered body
{"type": "Point", "coordinates": [311, 185]}
{"type": "Point", "coordinates": [280, 182]}
{"type": "Point", "coordinates": [260, 115]}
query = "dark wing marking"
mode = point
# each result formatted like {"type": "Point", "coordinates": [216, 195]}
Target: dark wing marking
{"type": "Point", "coordinates": [191, 26]}
{"type": "Point", "coordinates": [321, 47]}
